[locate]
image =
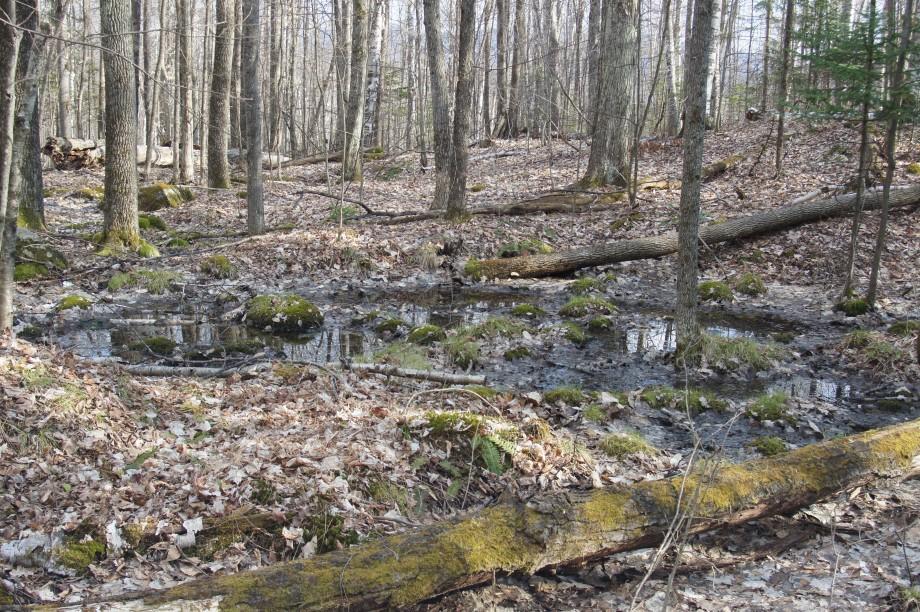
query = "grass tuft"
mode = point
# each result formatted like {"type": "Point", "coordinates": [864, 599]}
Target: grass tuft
{"type": "Point", "coordinates": [715, 291]}
{"type": "Point", "coordinates": [218, 266]}
{"type": "Point", "coordinates": [769, 446]}
{"type": "Point", "coordinates": [739, 353]}
{"type": "Point", "coordinates": [584, 305]}
{"type": "Point", "coordinates": [621, 445]}
{"type": "Point", "coordinates": [750, 284]}
{"type": "Point", "coordinates": [771, 407]}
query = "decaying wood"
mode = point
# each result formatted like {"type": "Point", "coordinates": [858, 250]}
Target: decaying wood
{"type": "Point", "coordinates": [658, 246]}
{"type": "Point", "coordinates": [570, 200]}
{"type": "Point", "coordinates": [331, 156]}
{"type": "Point", "coordinates": [76, 153]}
{"type": "Point", "coordinates": [556, 530]}
{"type": "Point", "coordinates": [432, 375]}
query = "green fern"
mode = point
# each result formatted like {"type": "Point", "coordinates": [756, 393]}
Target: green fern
{"type": "Point", "coordinates": [509, 447]}
{"type": "Point", "coordinates": [491, 455]}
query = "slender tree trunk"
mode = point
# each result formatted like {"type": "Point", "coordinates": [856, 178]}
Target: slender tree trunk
{"type": "Point", "coordinates": [463, 102]}
{"type": "Point", "coordinates": [595, 21]}
{"type": "Point", "coordinates": [120, 225]}
{"type": "Point", "coordinates": [371, 102]}
{"type": "Point", "coordinates": [153, 111]}
{"type": "Point", "coordinates": [765, 86]}
{"type": "Point", "coordinates": [342, 52]}
{"type": "Point", "coordinates": [712, 85]}
{"type": "Point", "coordinates": [894, 116]}
{"type": "Point", "coordinates": [354, 118]}
{"type": "Point", "coordinates": [236, 118]}
{"type": "Point", "coordinates": [614, 112]}
{"type": "Point", "coordinates": [218, 133]}
{"type": "Point", "coordinates": [501, 73]}
{"type": "Point", "coordinates": [551, 80]}
{"type": "Point", "coordinates": [698, 57]}
{"type": "Point", "coordinates": [517, 66]}
{"type": "Point", "coordinates": [274, 76]}
{"type": "Point", "coordinates": [486, 115]}
{"type": "Point", "coordinates": [252, 93]}
{"type": "Point", "coordinates": [672, 114]}
{"type": "Point", "coordinates": [440, 105]}
{"type": "Point", "coordinates": [65, 93]}
{"type": "Point", "coordinates": [186, 162]}
{"type": "Point", "coordinates": [784, 85]}
{"type": "Point", "coordinates": [10, 37]}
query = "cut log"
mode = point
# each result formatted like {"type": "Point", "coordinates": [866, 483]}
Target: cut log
{"type": "Point", "coordinates": [76, 153]}
{"type": "Point", "coordinates": [557, 530]}
{"type": "Point", "coordinates": [658, 246]}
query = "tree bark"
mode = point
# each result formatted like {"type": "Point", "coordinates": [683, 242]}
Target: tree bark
{"type": "Point", "coordinates": [218, 134]}
{"type": "Point", "coordinates": [354, 118]}
{"type": "Point", "coordinates": [551, 531]}
{"type": "Point", "coordinates": [614, 111]}
{"type": "Point", "coordinates": [551, 81]}
{"type": "Point", "coordinates": [463, 103]}
{"type": "Point", "coordinates": [440, 104]}
{"type": "Point", "coordinates": [514, 96]}
{"type": "Point", "coordinates": [501, 74]}
{"type": "Point", "coordinates": [252, 92]}
{"type": "Point", "coordinates": [185, 168]}
{"type": "Point", "coordinates": [120, 208]}
{"type": "Point", "coordinates": [342, 52]}
{"type": "Point", "coordinates": [10, 38]}
{"type": "Point", "coordinates": [784, 85]}
{"type": "Point", "coordinates": [372, 98]}
{"type": "Point", "coordinates": [666, 244]}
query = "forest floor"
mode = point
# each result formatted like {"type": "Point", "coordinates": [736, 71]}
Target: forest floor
{"type": "Point", "coordinates": [147, 467]}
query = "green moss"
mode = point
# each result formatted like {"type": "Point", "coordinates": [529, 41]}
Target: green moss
{"type": "Point", "coordinates": [145, 249]}
{"type": "Point", "coordinates": [527, 310]}
{"type": "Point", "coordinates": [162, 195]}
{"type": "Point", "coordinates": [771, 407]}
{"type": "Point", "coordinates": [905, 328]}
{"type": "Point", "coordinates": [696, 400]}
{"type": "Point", "coordinates": [160, 345]}
{"type": "Point", "coordinates": [518, 352]}
{"type": "Point", "coordinates": [346, 212]}
{"type": "Point", "coordinates": [473, 269]}
{"type": "Point", "coordinates": [586, 284]}
{"type": "Point", "coordinates": [595, 413]}
{"type": "Point", "coordinates": [739, 353]}
{"type": "Point", "coordinates": [120, 280]}
{"type": "Point", "coordinates": [769, 445]}
{"type": "Point", "coordinates": [462, 351]}
{"type": "Point", "coordinates": [218, 266]}
{"type": "Point", "coordinates": [178, 243]}
{"type": "Point", "coordinates": [783, 337]}
{"type": "Point", "coordinates": [852, 307]}
{"type": "Point", "coordinates": [495, 327]}
{"type": "Point", "coordinates": [715, 291]}
{"type": "Point", "coordinates": [73, 301]}
{"type": "Point", "coordinates": [35, 252]}
{"type": "Point", "coordinates": [389, 325]}
{"type": "Point", "coordinates": [403, 355]}
{"type": "Point", "coordinates": [913, 168]}
{"type": "Point", "coordinates": [477, 187]}
{"type": "Point", "coordinates": [282, 313]}
{"type": "Point", "coordinates": [572, 396]}
{"type": "Point", "coordinates": [91, 193]}
{"type": "Point", "coordinates": [529, 246]}
{"type": "Point", "coordinates": [23, 272]}
{"type": "Point", "coordinates": [242, 195]}
{"type": "Point", "coordinates": [599, 324]}
{"type": "Point", "coordinates": [750, 284]}
{"type": "Point", "coordinates": [151, 222]}
{"type": "Point", "coordinates": [574, 333]}
{"type": "Point", "coordinates": [248, 346]}
{"type": "Point", "coordinates": [621, 445]}
{"type": "Point", "coordinates": [583, 305]}
{"type": "Point", "coordinates": [374, 154]}
{"type": "Point", "coordinates": [385, 492]}
{"type": "Point", "coordinates": [426, 334]}
{"type": "Point", "coordinates": [485, 392]}
{"type": "Point", "coordinates": [37, 378]}
{"type": "Point", "coordinates": [78, 555]}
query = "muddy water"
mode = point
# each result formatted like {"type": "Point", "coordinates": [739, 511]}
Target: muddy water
{"type": "Point", "coordinates": [630, 355]}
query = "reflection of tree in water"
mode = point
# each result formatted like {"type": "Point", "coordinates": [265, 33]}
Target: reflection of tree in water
{"type": "Point", "coordinates": [328, 345]}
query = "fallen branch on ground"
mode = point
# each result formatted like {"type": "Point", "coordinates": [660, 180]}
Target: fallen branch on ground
{"type": "Point", "coordinates": [560, 529]}
{"type": "Point", "coordinates": [658, 246]}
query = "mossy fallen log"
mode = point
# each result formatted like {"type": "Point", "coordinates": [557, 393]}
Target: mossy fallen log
{"type": "Point", "coordinates": [563, 262]}
{"type": "Point", "coordinates": [557, 530]}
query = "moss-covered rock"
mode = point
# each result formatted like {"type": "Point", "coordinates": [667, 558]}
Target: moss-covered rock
{"type": "Point", "coordinates": [852, 307]}
{"type": "Point", "coordinates": [574, 333]}
{"type": "Point", "coordinates": [283, 313]}
{"type": "Point", "coordinates": [571, 396]}
{"type": "Point", "coordinates": [715, 291]}
{"type": "Point", "coordinates": [36, 252]}
{"type": "Point", "coordinates": [73, 301]}
{"type": "Point", "coordinates": [23, 272]}
{"type": "Point", "coordinates": [155, 282]}
{"type": "Point", "coordinates": [79, 554]}
{"type": "Point", "coordinates": [527, 310]}
{"type": "Point", "coordinates": [162, 195]}
{"type": "Point", "coordinates": [389, 326]}
{"type": "Point", "coordinates": [426, 334]}
{"type": "Point", "coordinates": [151, 222]}
{"type": "Point", "coordinates": [584, 305]}
{"type": "Point", "coordinates": [600, 324]}
{"type": "Point", "coordinates": [495, 327]}
{"type": "Point", "coordinates": [518, 352]}
{"type": "Point", "coordinates": [621, 445]}
{"type": "Point", "coordinates": [587, 284]}
{"type": "Point", "coordinates": [750, 284]}
{"type": "Point", "coordinates": [218, 266]}
{"type": "Point", "coordinates": [160, 345]}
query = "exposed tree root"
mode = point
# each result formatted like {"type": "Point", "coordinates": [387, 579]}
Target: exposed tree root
{"type": "Point", "coordinates": [666, 244]}
{"type": "Point", "coordinates": [556, 530]}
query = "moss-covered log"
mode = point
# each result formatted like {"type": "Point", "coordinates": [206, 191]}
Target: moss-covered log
{"type": "Point", "coordinates": [552, 531]}
{"type": "Point", "coordinates": [658, 246]}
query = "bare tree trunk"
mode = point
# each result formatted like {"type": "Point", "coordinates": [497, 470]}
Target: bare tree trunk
{"type": "Point", "coordinates": [120, 225]}
{"type": "Point", "coordinates": [595, 21]}
{"type": "Point", "coordinates": [712, 85]}
{"type": "Point", "coordinates": [765, 87]}
{"type": "Point", "coordinates": [10, 37]}
{"type": "Point", "coordinates": [65, 93]}
{"type": "Point", "coordinates": [698, 57]}
{"type": "Point", "coordinates": [236, 118]}
{"type": "Point", "coordinates": [252, 92]}
{"type": "Point", "coordinates": [218, 133]}
{"type": "Point", "coordinates": [342, 50]}
{"type": "Point", "coordinates": [186, 162]}
{"type": "Point", "coordinates": [614, 112]}
{"type": "Point", "coordinates": [517, 61]}
{"type": "Point", "coordinates": [784, 85]}
{"type": "Point", "coordinates": [274, 76]}
{"type": "Point", "coordinates": [897, 98]}
{"type": "Point", "coordinates": [440, 105]}
{"type": "Point", "coordinates": [501, 73]}
{"type": "Point", "coordinates": [372, 100]}
{"type": "Point", "coordinates": [463, 102]}
{"type": "Point", "coordinates": [411, 91]}
{"type": "Point", "coordinates": [486, 115]}
{"type": "Point", "coordinates": [551, 81]}
{"type": "Point", "coordinates": [153, 110]}
{"type": "Point", "coordinates": [354, 118]}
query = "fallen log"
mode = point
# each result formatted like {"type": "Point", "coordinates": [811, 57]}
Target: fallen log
{"type": "Point", "coordinates": [658, 246]}
{"type": "Point", "coordinates": [560, 529]}
{"type": "Point", "coordinates": [570, 200]}
{"type": "Point", "coordinates": [432, 375]}
{"type": "Point", "coordinates": [331, 156]}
